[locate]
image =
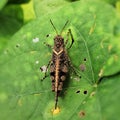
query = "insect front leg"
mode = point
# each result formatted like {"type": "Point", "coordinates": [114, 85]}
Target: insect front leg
{"type": "Point", "coordinates": [48, 45]}
{"type": "Point", "coordinates": [69, 34]}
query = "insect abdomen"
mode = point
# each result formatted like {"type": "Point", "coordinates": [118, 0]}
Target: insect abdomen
{"type": "Point", "coordinates": [58, 71]}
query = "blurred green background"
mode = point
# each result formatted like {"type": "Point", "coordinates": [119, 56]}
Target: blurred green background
{"type": "Point", "coordinates": [95, 54]}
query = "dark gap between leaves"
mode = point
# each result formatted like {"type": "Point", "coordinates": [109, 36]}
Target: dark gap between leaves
{"type": "Point", "coordinates": [109, 76]}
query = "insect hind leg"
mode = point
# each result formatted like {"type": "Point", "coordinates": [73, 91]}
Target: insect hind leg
{"type": "Point", "coordinates": [45, 75]}
{"type": "Point", "coordinates": [73, 69]}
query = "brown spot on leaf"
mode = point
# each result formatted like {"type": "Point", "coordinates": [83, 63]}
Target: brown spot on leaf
{"type": "Point", "coordinates": [82, 114]}
{"type": "Point", "coordinates": [82, 67]}
{"type": "Point", "coordinates": [92, 94]}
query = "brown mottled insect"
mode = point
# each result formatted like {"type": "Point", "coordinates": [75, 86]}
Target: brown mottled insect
{"type": "Point", "coordinates": [59, 63]}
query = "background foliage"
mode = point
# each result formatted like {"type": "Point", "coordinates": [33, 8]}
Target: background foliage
{"type": "Point", "coordinates": [95, 54]}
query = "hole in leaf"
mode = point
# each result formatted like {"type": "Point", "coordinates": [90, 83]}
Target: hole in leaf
{"type": "Point", "coordinates": [82, 67]}
{"type": "Point", "coordinates": [48, 35]}
{"type": "Point", "coordinates": [78, 91]}
{"type": "Point", "coordinates": [82, 114]}
{"type": "Point", "coordinates": [85, 92]}
{"type": "Point", "coordinates": [85, 59]}
{"type": "Point", "coordinates": [18, 45]}
{"type": "Point", "coordinates": [43, 68]}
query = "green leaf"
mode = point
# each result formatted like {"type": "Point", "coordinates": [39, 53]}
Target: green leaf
{"type": "Point", "coordinates": [24, 96]}
{"type": "Point", "coordinates": [11, 19]}
{"type": "Point", "coordinates": [112, 2]}
{"type": "Point", "coordinates": [107, 96]}
{"type": "Point", "coordinates": [2, 3]}
{"type": "Point", "coordinates": [18, 1]}
{"type": "Point", "coordinates": [28, 11]}
{"type": "Point", "coordinates": [43, 7]}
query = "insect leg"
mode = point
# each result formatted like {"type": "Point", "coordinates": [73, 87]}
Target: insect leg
{"type": "Point", "coordinates": [69, 33]}
{"type": "Point", "coordinates": [45, 75]}
{"type": "Point", "coordinates": [48, 45]}
{"type": "Point", "coordinates": [67, 38]}
{"type": "Point", "coordinates": [73, 68]}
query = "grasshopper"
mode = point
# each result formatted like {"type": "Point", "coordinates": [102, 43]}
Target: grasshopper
{"type": "Point", "coordinates": [60, 62]}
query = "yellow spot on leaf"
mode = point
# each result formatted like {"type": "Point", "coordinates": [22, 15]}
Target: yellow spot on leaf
{"type": "Point", "coordinates": [55, 111]}
{"type": "Point", "coordinates": [100, 73]}
{"type": "Point", "coordinates": [92, 94]}
{"type": "Point", "coordinates": [93, 26]}
{"type": "Point", "coordinates": [95, 85]}
{"type": "Point", "coordinates": [84, 102]}
{"type": "Point", "coordinates": [92, 29]}
{"type": "Point", "coordinates": [3, 97]}
{"type": "Point", "coordinates": [116, 58]}
{"type": "Point", "coordinates": [113, 59]}
{"type": "Point", "coordinates": [94, 16]}
{"type": "Point", "coordinates": [20, 102]}
{"type": "Point", "coordinates": [37, 94]}
{"type": "Point", "coordinates": [32, 52]}
{"type": "Point", "coordinates": [109, 47]}
{"type": "Point", "coordinates": [102, 42]}
{"type": "Point", "coordinates": [28, 11]}
{"type": "Point", "coordinates": [118, 6]}
{"type": "Point", "coordinates": [48, 54]}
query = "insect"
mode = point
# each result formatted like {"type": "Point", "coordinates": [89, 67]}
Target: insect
{"type": "Point", "coordinates": [60, 62]}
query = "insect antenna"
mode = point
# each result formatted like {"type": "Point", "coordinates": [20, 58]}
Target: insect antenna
{"type": "Point", "coordinates": [64, 27]}
{"type": "Point", "coordinates": [53, 26]}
